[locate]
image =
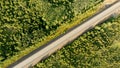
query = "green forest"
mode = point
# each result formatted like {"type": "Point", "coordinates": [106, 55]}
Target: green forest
{"type": "Point", "coordinates": [26, 25]}
{"type": "Point", "coordinates": [98, 48]}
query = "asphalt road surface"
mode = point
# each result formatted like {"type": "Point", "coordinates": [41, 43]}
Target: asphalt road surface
{"type": "Point", "coordinates": [59, 43]}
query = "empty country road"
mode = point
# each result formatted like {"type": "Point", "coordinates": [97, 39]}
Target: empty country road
{"type": "Point", "coordinates": [68, 37]}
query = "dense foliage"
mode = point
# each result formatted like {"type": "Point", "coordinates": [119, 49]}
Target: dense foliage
{"type": "Point", "coordinates": [24, 22]}
{"type": "Point", "coordinates": [95, 49]}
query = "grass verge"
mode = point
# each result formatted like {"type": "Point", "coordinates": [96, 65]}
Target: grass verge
{"type": "Point", "coordinates": [54, 34]}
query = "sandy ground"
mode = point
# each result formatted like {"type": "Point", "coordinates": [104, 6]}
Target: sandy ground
{"type": "Point", "coordinates": [109, 1]}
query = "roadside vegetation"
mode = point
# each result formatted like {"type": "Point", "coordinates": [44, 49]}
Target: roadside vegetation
{"type": "Point", "coordinates": [26, 24]}
{"type": "Point", "coordinates": [98, 48]}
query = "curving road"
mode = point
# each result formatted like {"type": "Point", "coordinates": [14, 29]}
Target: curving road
{"type": "Point", "coordinates": [39, 54]}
